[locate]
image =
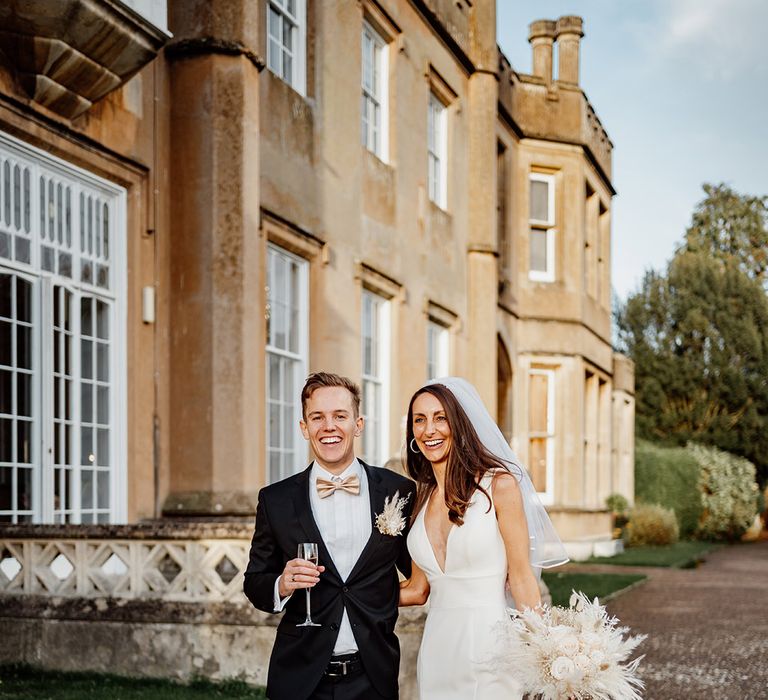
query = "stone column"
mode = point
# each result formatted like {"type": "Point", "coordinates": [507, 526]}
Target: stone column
{"type": "Point", "coordinates": [482, 292]}
{"type": "Point", "coordinates": [568, 33]}
{"type": "Point", "coordinates": [217, 260]}
{"type": "Point", "coordinates": [541, 35]}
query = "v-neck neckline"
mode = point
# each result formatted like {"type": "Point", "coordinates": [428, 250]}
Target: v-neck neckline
{"type": "Point", "coordinates": [442, 569]}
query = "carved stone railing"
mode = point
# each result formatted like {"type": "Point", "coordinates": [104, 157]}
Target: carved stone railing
{"type": "Point", "coordinates": [189, 563]}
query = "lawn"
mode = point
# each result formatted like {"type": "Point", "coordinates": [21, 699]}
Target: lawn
{"type": "Point", "coordinates": [681, 555]}
{"type": "Point", "coordinates": [24, 682]}
{"type": "Point", "coordinates": [562, 584]}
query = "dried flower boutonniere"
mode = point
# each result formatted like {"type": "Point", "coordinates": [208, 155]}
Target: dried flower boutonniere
{"type": "Point", "coordinates": [391, 520]}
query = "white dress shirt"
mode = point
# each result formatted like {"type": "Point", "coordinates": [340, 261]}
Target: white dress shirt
{"type": "Point", "coordinates": [344, 521]}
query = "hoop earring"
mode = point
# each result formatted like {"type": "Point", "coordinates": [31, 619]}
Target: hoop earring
{"type": "Point", "coordinates": [410, 444]}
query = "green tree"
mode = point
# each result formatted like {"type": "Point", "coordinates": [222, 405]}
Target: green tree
{"type": "Point", "coordinates": [732, 227]}
{"type": "Point", "coordinates": [699, 338]}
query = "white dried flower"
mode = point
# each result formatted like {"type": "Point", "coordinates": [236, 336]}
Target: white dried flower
{"type": "Point", "coordinates": [578, 652]}
{"type": "Point", "coordinates": [391, 520]}
{"type": "Point", "coordinates": [563, 668]}
{"type": "Point", "coordinates": [568, 645]}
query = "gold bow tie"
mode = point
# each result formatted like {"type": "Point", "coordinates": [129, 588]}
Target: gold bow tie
{"type": "Point", "coordinates": [325, 487]}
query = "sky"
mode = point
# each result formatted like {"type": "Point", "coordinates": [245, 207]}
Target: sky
{"type": "Point", "coordinates": [681, 86]}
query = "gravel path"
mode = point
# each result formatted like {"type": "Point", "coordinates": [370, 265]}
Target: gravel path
{"type": "Point", "coordinates": [707, 627]}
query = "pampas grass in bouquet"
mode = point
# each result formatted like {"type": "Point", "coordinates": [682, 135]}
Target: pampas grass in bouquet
{"type": "Point", "coordinates": [574, 653]}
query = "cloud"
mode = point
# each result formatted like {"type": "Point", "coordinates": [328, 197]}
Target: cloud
{"type": "Point", "coordinates": [719, 39]}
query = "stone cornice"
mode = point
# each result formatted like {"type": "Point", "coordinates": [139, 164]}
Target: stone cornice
{"type": "Point", "coordinates": [68, 54]}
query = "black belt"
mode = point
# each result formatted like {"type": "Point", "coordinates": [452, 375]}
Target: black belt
{"type": "Point", "coordinates": [344, 665]}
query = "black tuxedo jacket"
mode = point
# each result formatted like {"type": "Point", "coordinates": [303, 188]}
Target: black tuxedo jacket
{"type": "Point", "coordinates": [370, 593]}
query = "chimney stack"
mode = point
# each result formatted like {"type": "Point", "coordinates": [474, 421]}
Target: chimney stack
{"type": "Point", "coordinates": [568, 33]}
{"type": "Point", "coordinates": [541, 34]}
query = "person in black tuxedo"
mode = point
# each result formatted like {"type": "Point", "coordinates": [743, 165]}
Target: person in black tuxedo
{"type": "Point", "coordinates": [354, 654]}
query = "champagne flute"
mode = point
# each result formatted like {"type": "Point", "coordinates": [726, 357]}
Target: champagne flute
{"type": "Point", "coordinates": [308, 551]}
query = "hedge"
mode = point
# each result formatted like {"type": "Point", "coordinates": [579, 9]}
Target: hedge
{"type": "Point", "coordinates": [669, 477]}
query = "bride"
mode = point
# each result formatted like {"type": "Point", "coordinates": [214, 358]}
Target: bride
{"type": "Point", "coordinates": [478, 528]}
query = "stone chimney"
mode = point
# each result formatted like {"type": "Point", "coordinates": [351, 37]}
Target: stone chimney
{"type": "Point", "coordinates": [541, 34]}
{"type": "Point", "coordinates": [568, 33]}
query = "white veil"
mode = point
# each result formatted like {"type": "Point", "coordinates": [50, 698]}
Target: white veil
{"type": "Point", "coordinates": [546, 549]}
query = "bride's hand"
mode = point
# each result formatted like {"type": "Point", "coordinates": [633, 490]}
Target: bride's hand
{"type": "Point", "coordinates": [415, 590]}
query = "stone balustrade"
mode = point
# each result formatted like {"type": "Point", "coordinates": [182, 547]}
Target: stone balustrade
{"type": "Point", "coordinates": [188, 564]}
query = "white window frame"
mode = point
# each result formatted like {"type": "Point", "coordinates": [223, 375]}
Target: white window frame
{"type": "Point", "coordinates": [438, 350]}
{"type": "Point", "coordinates": [80, 180]}
{"type": "Point", "coordinates": [378, 98]}
{"type": "Point", "coordinates": [299, 360]}
{"type": "Point", "coordinates": [379, 423]}
{"type": "Point", "coordinates": [298, 78]}
{"type": "Point", "coordinates": [547, 226]}
{"type": "Point", "coordinates": [437, 150]}
{"type": "Point", "coordinates": [547, 497]}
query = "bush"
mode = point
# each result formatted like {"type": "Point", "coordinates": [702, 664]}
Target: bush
{"type": "Point", "coordinates": [652, 524]}
{"type": "Point", "coordinates": [668, 476]}
{"type": "Point", "coordinates": [616, 503]}
{"type": "Point", "coordinates": [728, 493]}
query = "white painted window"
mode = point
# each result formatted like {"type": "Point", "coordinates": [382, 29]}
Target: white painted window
{"type": "Point", "coordinates": [375, 88]}
{"type": "Point", "coordinates": [375, 385]}
{"type": "Point", "coordinates": [437, 149]}
{"type": "Point", "coordinates": [287, 349]}
{"type": "Point", "coordinates": [62, 341]}
{"type": "Point", "coordinates": [437, 350]}
{"type": "Point", "coordinates": [542, 228]}
{"type": "Point", "coordinates": [541, 431]}
{"type": "Point", "coordinates": [286, 41]}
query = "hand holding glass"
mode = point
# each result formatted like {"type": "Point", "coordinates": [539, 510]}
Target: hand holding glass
{"type": "Point", "coordinates": [308, 551]}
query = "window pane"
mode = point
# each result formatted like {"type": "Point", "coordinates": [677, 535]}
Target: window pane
{"type": "Point", "coordinates": [538, 463]}
{"type": "Point", "coordinates": [540, 200]}
{"type": "Point", "coordinates": [24, 489]}
{"type": "Point", "coordinates": [6, 290]}
{"type": "Point", "coordinates": [86, 488]}
{"type": "Point", "coordinates": [23, 441]}
{"type": "Point", "coordinates": [6, 391]}
{"type": "Point", "coordinates": [538, 403]}
{"type": "Point", "coordinates": [6, 440]}
{"type": "Point", "coordinates": [24, 394]}
{"type": "Point", "coordinates": [103, 489]}
{"type": "Point", "coordinates": [539, 250]}
{"type": "Point", "coordinates": [6, 488]}
{"type": "Point", "coordinates": [102, 458]}
{"type": "Point", "coordinates": [102, 320]}
{"type": "Point", "coordinates": [23, 300]}
{"type": "Point", "coordinates": [6, 335]}
{"type": "Point", "coordinates": [87, 457]}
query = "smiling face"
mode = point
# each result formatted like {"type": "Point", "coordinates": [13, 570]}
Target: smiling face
{"type": "Point", "coordinates": [430, 428]}
{"type": "Point", "coordinates": [331, 426]}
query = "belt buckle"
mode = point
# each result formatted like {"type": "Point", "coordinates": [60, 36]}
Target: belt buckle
{"type": "Point", "coordinates": [334, 674]}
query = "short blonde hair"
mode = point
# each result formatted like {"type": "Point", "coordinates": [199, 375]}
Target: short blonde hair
{"type": "Point", "coordinates": [318, 380]}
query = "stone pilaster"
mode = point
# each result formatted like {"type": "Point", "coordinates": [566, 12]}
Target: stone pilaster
{"type": "Point", "coordinates": [217, 279]}
{"type": "Point", "coordinates": [482, 268]}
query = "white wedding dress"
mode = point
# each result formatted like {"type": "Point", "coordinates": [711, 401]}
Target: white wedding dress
{"type": "Point", "coordinates": [466, 601]}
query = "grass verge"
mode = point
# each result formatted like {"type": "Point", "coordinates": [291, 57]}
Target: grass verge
{"type": "Point", "coordinates": [681, 555]}
{"type": "Point", "coordinates": [604, 586]}
{"type": "Point", "coordinates": [19, 682]}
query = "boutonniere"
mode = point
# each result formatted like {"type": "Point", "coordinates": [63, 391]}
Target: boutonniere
{"type": "Point", "coordinates": [391, 521]}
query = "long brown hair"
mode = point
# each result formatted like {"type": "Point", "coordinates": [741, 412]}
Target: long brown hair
{"type": "Point", "coordinates": [468, 460]}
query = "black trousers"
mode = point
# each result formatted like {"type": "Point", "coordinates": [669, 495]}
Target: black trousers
{"type": "Point", "coordinates": [352, 687]}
